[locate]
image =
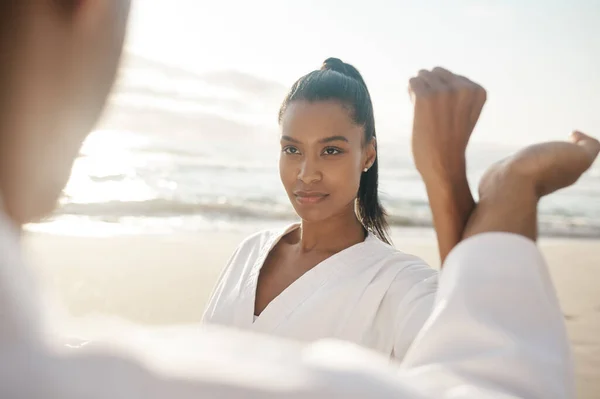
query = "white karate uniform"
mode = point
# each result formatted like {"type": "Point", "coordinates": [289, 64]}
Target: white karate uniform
{"type": "Point", "coordinates": [370, 294]}
{"type": "Point", "coordinates": [496, 331]}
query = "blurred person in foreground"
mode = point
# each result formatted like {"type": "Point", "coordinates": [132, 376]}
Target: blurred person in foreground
{"type": "Point", "coordinates": [496, 328]}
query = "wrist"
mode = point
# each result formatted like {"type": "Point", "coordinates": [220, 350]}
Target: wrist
{"type": "Point", "coordinates": [445, 175]}
{"type": "Point", "coordinates": [449, 188]}
{"type": "Point", "coordinates": [436, 165]}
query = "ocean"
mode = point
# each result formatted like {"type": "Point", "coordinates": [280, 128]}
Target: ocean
{"type": "Point", "coordinates": [181, 152]}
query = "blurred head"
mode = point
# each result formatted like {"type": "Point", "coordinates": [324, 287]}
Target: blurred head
{"type": "Point", "coordinates": [328, 163]}
{"type": "Point", "coordinates": [57, 64]}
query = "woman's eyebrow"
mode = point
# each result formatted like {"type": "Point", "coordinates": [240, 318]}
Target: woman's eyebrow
{"type": "Point", "coordinates": [333, 138]}
{"type": "Point", "coordinates": [322, 141]}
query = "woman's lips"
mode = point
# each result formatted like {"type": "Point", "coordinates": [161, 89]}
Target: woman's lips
{"type": "Point", "coordinates": [309, 198]}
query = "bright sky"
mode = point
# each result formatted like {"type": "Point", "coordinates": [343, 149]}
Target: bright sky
{"type": "Point", "coordinates": [539, 60]}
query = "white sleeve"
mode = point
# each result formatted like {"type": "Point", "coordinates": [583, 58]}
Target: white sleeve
{"type": "Point", "coordinates": [413, 311]}
{"type": "Point", "coordinates": [215, 363]}
{"type": "Point", "coordinates": [496, 324]}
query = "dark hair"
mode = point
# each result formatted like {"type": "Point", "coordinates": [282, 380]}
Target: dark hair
{"type": "Point", "coordinates": [339, 81]}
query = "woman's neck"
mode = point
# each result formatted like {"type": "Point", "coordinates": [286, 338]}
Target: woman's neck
{"type": "Point", "coordinates": [331, 235]}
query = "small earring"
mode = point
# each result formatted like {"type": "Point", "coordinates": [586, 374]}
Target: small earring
{"type": "Point", "coordinates": [365, 170]}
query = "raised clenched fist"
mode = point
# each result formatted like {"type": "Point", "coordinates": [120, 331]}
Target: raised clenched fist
{"type": "Point", "coordinates": [446, 110]}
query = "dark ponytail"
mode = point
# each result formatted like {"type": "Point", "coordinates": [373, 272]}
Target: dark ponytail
{"type": "Point", "coordinates": [337, 80]}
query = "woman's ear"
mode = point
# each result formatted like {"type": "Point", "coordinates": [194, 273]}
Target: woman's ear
{"type": "Point", "coordinates": [371, 154]}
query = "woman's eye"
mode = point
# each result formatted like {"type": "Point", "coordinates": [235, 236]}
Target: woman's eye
{"type": "Point", "coordinates": [331, 151]}
{"type": "Point", "coordinates": [291, 150]}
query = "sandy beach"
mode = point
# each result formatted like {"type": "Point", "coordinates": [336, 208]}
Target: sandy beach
{"type": "Point", "coordinates": [166, 279]}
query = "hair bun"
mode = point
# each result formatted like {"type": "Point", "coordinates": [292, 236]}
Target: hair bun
{"type": "Point", "coordinates": [335, 64]}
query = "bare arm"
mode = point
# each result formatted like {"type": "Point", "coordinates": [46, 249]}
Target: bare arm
{"type": "Point", "coordinates": [451, 205]}
{"type": "Point", "coordinates": [447, 107]}
{"type": "Point", "coordinates": [510, 190]}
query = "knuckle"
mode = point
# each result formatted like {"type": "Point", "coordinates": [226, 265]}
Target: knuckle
{"type": "Point", "coordinates": [472, 90]}
{"type": "Point", "coordinates": [439, 69]}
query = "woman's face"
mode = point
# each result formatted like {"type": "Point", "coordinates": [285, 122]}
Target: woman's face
{"type": "Point", "coordinates": [323, 155]}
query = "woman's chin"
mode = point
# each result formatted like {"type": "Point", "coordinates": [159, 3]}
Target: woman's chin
{"type": "Point", "coordinates": [312, 215]}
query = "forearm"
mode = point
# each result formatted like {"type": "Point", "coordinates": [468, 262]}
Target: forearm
{"type": "Point", "coordinates": [451, 205]}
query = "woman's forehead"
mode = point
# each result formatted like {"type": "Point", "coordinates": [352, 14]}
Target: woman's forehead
{"type": "Point", "coordinates": [308, 121]}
